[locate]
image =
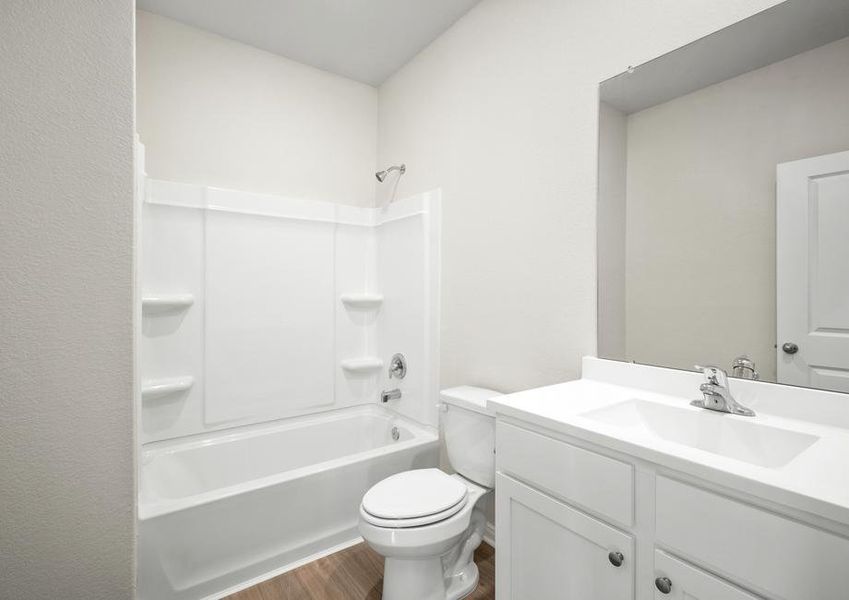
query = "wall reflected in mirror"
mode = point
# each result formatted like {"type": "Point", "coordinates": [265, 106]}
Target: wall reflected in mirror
{"type": "Point", "coordinates": [723, 207]}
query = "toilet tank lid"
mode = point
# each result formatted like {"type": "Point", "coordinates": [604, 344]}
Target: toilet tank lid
{"type": "Point", "coordinates": [470, 398]}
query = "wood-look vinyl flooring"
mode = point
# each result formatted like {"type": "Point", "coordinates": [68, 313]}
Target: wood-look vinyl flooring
{"type": "Point", "coordinates": [355, 573]}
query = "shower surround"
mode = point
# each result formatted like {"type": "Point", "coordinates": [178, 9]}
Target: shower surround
{"type": "Point", "coordinates": [267, 327]}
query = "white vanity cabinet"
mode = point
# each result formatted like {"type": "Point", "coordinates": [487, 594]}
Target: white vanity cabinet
{"type": "Point", "coordinates": [547, 550]}
{"type": "Point", "coordinates": [678, 580]}
{"type": "Point", "coordinates": [576, 521]}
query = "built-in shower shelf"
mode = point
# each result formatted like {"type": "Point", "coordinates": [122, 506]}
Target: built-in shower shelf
{"type": "Point", "coordinates": [366, 364]}
{"type": "Point", "coordinates": [362, 300]}
{"type": "Point", "coordinates": [166, 303]}
{"type": "Point", "coordinates": [159, 388]}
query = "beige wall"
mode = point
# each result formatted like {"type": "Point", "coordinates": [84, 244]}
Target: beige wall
{"type": "Point", "coordinates": [501, 112]}
{"type": "Point", "coordinates": [701, 207]}
{"type": "Point", "coordinates": [66, 373]}
{"type": "Point", "coordinates": [216, 112]}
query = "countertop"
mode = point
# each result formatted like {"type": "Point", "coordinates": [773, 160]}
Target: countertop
{"type": "Point", "coordinates": [816, 481]}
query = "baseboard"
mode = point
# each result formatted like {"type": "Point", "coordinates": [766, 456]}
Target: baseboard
{"type": "Point", "coordinates": [489, 534]}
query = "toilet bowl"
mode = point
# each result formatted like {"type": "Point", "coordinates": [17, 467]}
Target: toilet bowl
{"type": "Point", "coordinates": [427, 523]}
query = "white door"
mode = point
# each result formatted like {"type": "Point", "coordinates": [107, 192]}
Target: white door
{"type": "Point", "coordinates": [677, 580]}
{"type": "Point", "coordinates": [812, 256]}
{"type": "Point", "coordinates": [550, 551]}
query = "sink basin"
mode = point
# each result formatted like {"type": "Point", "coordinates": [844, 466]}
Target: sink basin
{"type": "Point", "coordinates": [718, 433]}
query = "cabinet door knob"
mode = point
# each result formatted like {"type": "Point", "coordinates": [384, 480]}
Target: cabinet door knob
{"type": "Point", "coordinates": [663, 584]}
{"type": "Point", "coordinates": [616, 558]}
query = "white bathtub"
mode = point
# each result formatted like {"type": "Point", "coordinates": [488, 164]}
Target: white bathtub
{"type": "Point", "coordinates": [219, 511]}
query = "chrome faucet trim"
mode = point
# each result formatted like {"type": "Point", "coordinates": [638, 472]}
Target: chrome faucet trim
{"type": "Point", "coordinates": [717, 395]}
{"type": "Point", "coordinates": [387, 395]}
{"type": "Point", "coordinates": [744, 368]}
{"type": "Point", "coordinates": [398, 366]}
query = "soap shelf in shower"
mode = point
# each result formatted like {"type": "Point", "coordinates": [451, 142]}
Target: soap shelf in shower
{"type": "Point", "coordinates": [366, 364]}
{"type": "Point", "coordinates": [166, 303]}
{"type": "Point", "coordinates": [362, 300]}
{"type": "Point", "coordinates": [158, 388]}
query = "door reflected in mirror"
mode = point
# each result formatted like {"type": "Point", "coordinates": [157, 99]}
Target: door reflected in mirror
{"type": "Point", "coordinates": [723, 207]}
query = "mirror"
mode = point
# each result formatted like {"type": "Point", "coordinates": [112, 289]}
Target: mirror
{"type": "Point", "coordinates": [723, 206]}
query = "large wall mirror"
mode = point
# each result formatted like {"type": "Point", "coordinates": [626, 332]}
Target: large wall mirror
{"type": "Point", "coordinates": [723, 208]}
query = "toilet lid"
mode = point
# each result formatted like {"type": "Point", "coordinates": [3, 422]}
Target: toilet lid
{"type": "Point", "coordinates": [414, 494]}
{"type": "Point", "coordinates": [416, 521]}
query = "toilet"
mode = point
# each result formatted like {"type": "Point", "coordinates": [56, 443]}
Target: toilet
{"type": "Point", "coordinates": [427, 523]}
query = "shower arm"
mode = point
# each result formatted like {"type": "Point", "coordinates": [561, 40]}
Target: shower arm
{"type": "Point", "coordinates": [382, 175]}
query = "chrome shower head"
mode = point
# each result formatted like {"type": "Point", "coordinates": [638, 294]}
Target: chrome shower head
{"type": "Point", "coordinates": [382, 175]}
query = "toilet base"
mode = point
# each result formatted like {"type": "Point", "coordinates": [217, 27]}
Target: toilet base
{"type": "Point", "coordinates": [408, 578]}
{"type": "Point", "coordinates": [450, 576]}
{"type": "Point", "coordinates": [463, 583]}
{"type": "Point", "coordinates": [422, 579]}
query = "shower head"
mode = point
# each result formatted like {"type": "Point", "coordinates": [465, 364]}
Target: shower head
{"type": "Point", "coordinates": [382, 175]}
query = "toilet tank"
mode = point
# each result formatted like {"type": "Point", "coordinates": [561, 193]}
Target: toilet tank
{"type": "Point", "coordinates": [469, 430]}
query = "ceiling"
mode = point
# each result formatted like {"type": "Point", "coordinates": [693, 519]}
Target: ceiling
{"type": "Point", "coordinates": [364, 40]}
{"type": "Point", "coordinates": [775, 34]}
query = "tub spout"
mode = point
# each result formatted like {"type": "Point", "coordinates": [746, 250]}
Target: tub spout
{"type": "Point", "coordinates": [387, 395]}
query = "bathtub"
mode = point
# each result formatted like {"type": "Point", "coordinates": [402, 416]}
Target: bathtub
{"type": "Point", "coordinates": [220, 511]}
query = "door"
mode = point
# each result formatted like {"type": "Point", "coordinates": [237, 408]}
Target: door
{"type": "Point", "coordinates": [812, 259]}
{"type": "Point", "coordinates": [548, 550]}
{"type": "Point", "coordinates": [677, 580]}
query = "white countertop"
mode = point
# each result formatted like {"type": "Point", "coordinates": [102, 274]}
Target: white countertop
{"type": "Point", "coordinates": [816, 481]}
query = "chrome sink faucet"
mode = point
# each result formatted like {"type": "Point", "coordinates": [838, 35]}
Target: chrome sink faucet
{"type": "Point", "coordinates": [717, 395]}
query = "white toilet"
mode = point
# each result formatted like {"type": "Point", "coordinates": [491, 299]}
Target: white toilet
{"type": "Point", "coordinates": [426, 523]}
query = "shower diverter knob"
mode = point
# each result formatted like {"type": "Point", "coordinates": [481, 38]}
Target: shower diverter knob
{"type": "Point", "coordinates": [398, 366]}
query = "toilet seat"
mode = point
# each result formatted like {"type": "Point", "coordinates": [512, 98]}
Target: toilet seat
{"type": "Point", "coordinates": [414, 499]}
{"type": "Point", "coordinates": [413, 521]}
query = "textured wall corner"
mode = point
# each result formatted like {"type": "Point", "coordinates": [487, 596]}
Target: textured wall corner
{"type": "Point", "coordinates": [66, 361]}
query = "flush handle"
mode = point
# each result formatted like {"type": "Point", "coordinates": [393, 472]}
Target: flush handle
{"type": "Point", "coordinates": [616, 558]}
{"type": "Point", "coordinates": [663, 584]}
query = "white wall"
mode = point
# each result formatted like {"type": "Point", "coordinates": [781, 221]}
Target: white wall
{"type": "Point", "coordinates": [501, 112]}
{"type": "Point", "coordinates": [267, 333]}
{"type": "Point", "coordinates": [612, 163]}
{"type": "Point", "coordinates": [701, 207]}
{"type": "Point", "coordinates": [66, 234]}
{"type": "Point", "coordinates": [216, 112]}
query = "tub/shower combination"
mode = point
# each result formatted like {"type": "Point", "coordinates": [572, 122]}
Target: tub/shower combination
{"type": "Point", "coordinates": [266, 325]}
{"type": "Point", "coordinates": [221, 511]}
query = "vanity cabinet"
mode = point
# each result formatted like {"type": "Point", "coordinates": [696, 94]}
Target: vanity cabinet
{"type": "Point", "coordinates": [677, 580]}
{"type": "Point", "coordinates": [755, 547]}
{"type": "Point", "coordinates": [575, 521]}
{"type": "Point", "coordinates": [585, 479]}
{"type": "Point", "coordinates": [548, 550]}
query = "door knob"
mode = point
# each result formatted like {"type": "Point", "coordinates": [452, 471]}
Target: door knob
{"type": "Point", "coordinates": [616, 558]}
{"type": "Point", "coordinates": [663, 584]}
{"type": "Point", "coordinates": [789, 348]}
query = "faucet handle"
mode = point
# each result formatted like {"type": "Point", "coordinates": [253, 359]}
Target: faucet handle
{"type": "Point", "coordinates": [398, 366]}
{"type": "Point", "coordinates": [714, 375]}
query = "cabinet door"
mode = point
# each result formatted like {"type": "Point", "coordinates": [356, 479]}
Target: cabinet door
{"type": "Point", "coordinates": [690, 583]}
{"type": "Point", "coordinates": [548, 550]}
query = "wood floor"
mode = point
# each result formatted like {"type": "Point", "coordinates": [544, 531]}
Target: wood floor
{"type": "Point", "coordinates": [355, 573]}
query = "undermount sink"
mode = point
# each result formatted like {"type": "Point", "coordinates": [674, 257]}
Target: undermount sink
{"type": "Point", "coordinates": [718, 433]}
